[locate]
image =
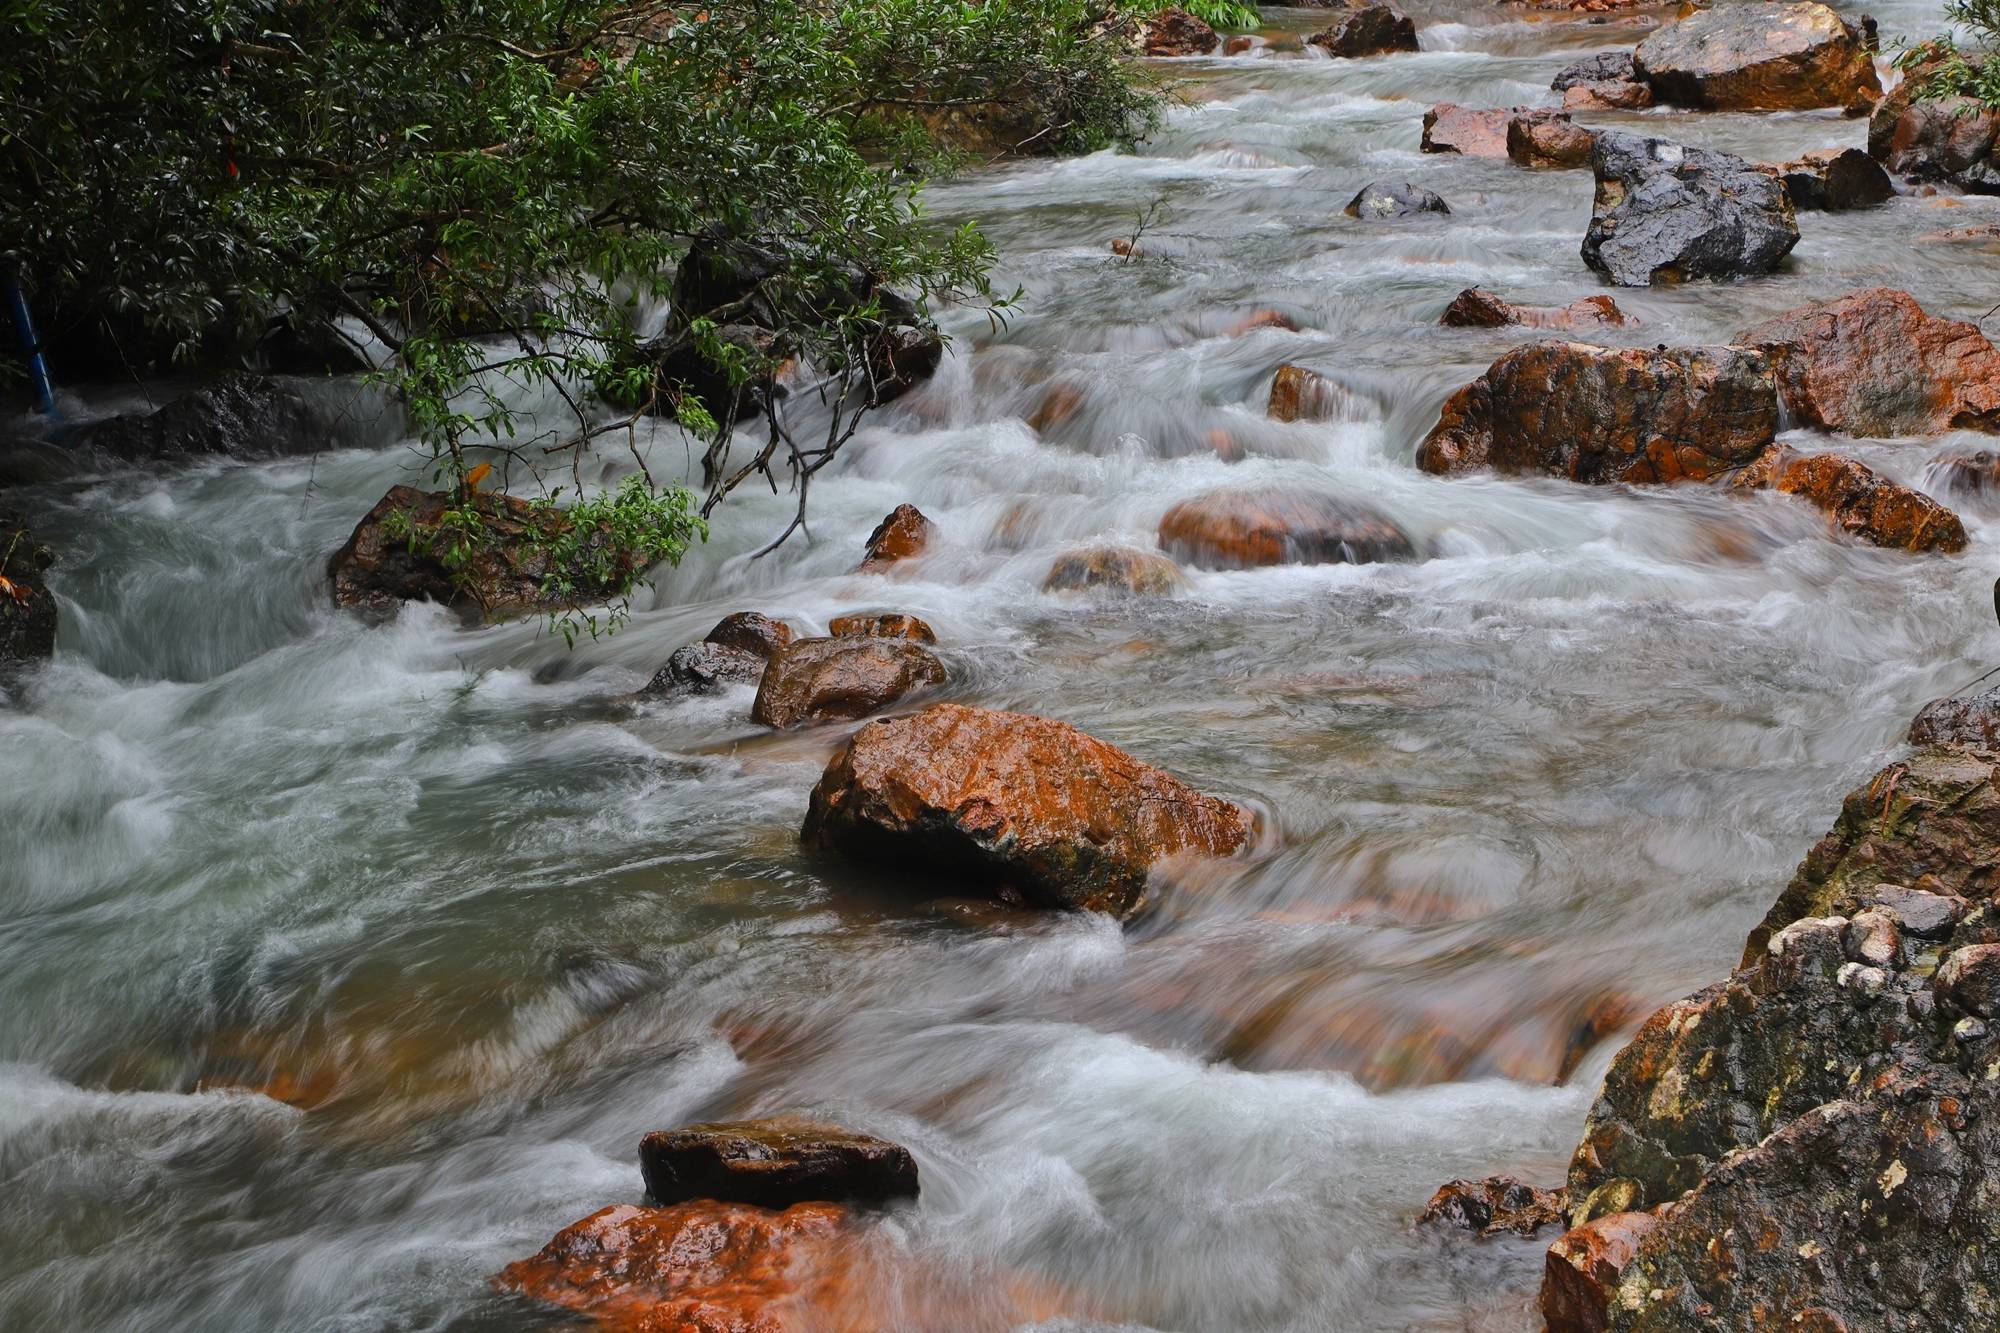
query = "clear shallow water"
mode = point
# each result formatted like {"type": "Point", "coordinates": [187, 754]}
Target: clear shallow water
{"type": "Point", "coordinates": [489, 929]}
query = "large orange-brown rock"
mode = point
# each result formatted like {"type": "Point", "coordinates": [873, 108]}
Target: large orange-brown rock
{"type": "Point", "coordinates": [701, 1267]}
{"type": "Point", "coordinates": [823, 680]}
{"type": "Point", "coordinates": [1476, 308]}
{"type": "Point", "coordinates": [985, 803]}
{"type": "Point", "coordinates": [380, 567]}
{"type": "Point", "coordinates": [1298, 394]}
{"type": "Point", "coordinates": [1860, 502]}
{"type": "Point", "coordinates": [903, 532]}
{"type": "Point", "coordinates": [752, 632]}
{"type": "Point", "coordinates": [1580, 1275]}
{"type": "Point", "coordinates": [1475, 132]}
{"type": "Point", "coordinates": [1759, 57]}
{"type": "Point", "coordinates": [1604, 414]}
{"type": "Point", "coordinates": [1120, 569]}
{"type": "Point", "coordinates": [774, 1163]}
{"type": "Point", "coordinates": [1243, 529]}
{"type": "Point", "coordinates": [1874, 363]}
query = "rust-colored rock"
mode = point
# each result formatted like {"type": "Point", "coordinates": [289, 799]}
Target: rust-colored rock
{"type": "Point", "coordinates": [1476, 308]}
{"type": "Point", "coordinates": [1121, 569]}
{"type": "Point", "coordinates": [823, 680]}
{"type": "Point", "coordinates": [904, 532]}
{"type": "Point", "coordinates": [1949, 140]}
{"type": "Point", "coordinates": [1242, 529]}
{"type": "Point", "coordinates": [1775, 57]}
{"type": "Point", "coordinates": [1874, 363]}
{"type": "Point", "coordinates": [1365, 28]}
{"type": "Point", "coordinates": [1451, 128]}
{"type": "Point", "coordinates": [774, 1163]}
{"type": "Point", "coordinates": [752, 632]}
{"type": "Point", "coordinates": [377, 570]}
{"type": "Point", "coordinates": [1600, 414]}
{"type": "Point", "coordinates": [1175, 32]}
{"type": "Point", "coordinates": [882, 625]}
{"type": "Point", "coordinates": [1298, 394]}
{"type": "Point", "coordinates": [1547, 138]}
{"type": "Point", "coordinates": [985, 803]}
{"type": "Point", "coordinates": [1493, 1205]}
{"type": "Point", "coordinates": [1581, 1273]}
{"type": "Point", "coordinates": [701, 1267]}
{"type": "Point", "coordinates": [1835, 180]}
{"type": "Point", "coordinates": [1860, 502]}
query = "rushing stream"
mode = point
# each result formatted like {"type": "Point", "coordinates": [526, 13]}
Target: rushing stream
{"type": "Point", "coordinates": [432, 885]}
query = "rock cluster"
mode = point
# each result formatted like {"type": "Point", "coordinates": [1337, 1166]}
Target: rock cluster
{"type": "Point", "coordinates": [1935, 139]}
{"type": "Point", "coordinates": [734, 653]}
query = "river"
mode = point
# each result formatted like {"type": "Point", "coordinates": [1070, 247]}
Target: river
{"type": "Point", "coordinates": [340, 965]}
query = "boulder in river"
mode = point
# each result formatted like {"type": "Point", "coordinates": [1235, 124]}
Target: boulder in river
{"type": "Point", "coordinates": [382, 565]}
{"type": "Point", "coordinates": [1936, 139]}
{"type": "Point", "coordinates": [1962, 720]}
{"type": "Point", "coordinates": [752, 632]}
{"type": "Point", "coordinates": [1859, 501]}
{"type": "Point", "coordinates": [1298, 394]}
{"type": "Point", "coordinates": [881, 625]}
{"type": "Point", "coordinates": [27, 607]}
{"type": "Point", "coordinates": [1451, 128]}
{"type": "Point", "coordinates": [1493, 1205]}
{"type": "Point", "coordinates": [1668, 213]}
{"type": "Point", "coordinates": [1477, 308]}
{"type": "Point", "coordinates": [1365, 28]}
{"type": "Point", "coordinates": [705, 668]}
{"type": "Point", "coordinates": [899, 358]}
{"type": "Point", "coordinates": [824, 680]}
{"type": "Point", "coordinates": [1244, 529]}
{"type": "Point", "coordinates": [1175, 32]}
{"type": "Point", "coordinates": [1874, 363]}
{"type": "Point", "coordinates": [1118, 569]}
{"type": "Point", "coordinates": [904, 532]}
{"type": "Point", "coordinates": [238, 415]}
{"type": "Point", "coordinates": [1545, 138]}
{"type": "Point", "coordinates": [1835, 180]}
{"type": "Point", "coordinates": [1392, 201]}
{"type": "Point", "coordinates": [774, 1163]}
{"type": "Point", "coordinates": [1776, 57]}
{"type": "Point", "coordinates": [1605, 414]}
{"type": "Point", "coordinates": [1027, 809]}
{"type": "Point", "coordinates": [698, 1267]}
{"type": "Point", "coordinates": [1603, 82]}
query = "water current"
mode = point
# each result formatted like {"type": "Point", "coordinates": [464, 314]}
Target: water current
{"type": "Point", "coordinates": [341, 964]}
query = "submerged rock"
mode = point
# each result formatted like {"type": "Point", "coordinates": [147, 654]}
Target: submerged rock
{"type": "Point", "coordinates": [774, 1164]}
{"type": "Point", "coordinates": [1365, 28]}
{"type": "Point", "coordinates": [380, 568]}
{"type": "Point", "coordinates": [1949, 140]}
{"type": "Point", "coordinates": [1493, 1205]}
{"type": "Point", "coordinates": [1974, 476]}
{"type": "Point", "coordinates": [1874, 363]}
{"type": "Point", "coordinates": [1601, 414]}
{"type": "Point", "coordinates": [823, 680]}
{"type": "Point", "coordinates": [903, 533]}
{"type": "Point", "coordinates": [1859, 501]}
{"type": "Point", "coordinates": [1668, 213]}
{"type": "Point", "coordinates": [1759, 57]}
{"type": "Point", "coordinates": [27, 607]}
{"type": "Point", "coordinates": [1835, 180]}
{"type": "Point", "coordinates": [1298, 394]}
{"type": "Point", "coordinates": [239, 415]}
{"type": "Point", "coordinates": [1120, 569]}
{"type": "Point", "coordinates": [984, 803]}
{"type": "Point", "coordinates": [882, 625]}
{"type": "Point", "coordinates": [1391, 201]}
{"type": "Point", "coordinates": [1175, 32]}
{"type": "Point", "coordinates": [1242, 529]}
{"type": "Point", "coordinates": [1476, 308]}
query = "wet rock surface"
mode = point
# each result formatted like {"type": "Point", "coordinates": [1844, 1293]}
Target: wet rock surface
{"type": "Point", "coordinates": [1242, 529]}
{"type": "Point", "coordinates": [1961, 720]}
{"type": "Point", "coordinates": [1175, 32]}
{"type": "Point", "coordinates": [774, 1163]}
{"type": "Point", "coordinates": [990, 804]}
{"type": "Point", "coordinates": [1365, 28]}
{"type": "Point", "coordinates": [1475, 308]}
{"type": "Point", "coordinates": [1451, 128]}
{"type": "Point", "coordinates": [1603, 82]}
{"type": "Point", "coordinates": [881, 625]}
{"type": "Point", "coordinates": [1874, 363]}
{"type": "Point", "coordinates": [824, 680]}
{"type": "Point", "coordinates": [27, 607]}
{"type": "Point", "coordinates": [1547, 139]}
{"type": "Point", "coordinates": [705, 668]}
{"type": "Point", "coordinates": [239, 415]}
{"type": "Point", "coordinates": [1835, 180]}
{"type": "Point", "coordinates": [1859, 501]}
{"type": "Point", "coordinates": [1813, 1142]}
{"type": "Point", "coordinates": [1759, 57]}
{"type": "Point", "coordinates": [903, 533]}
{"type": "Point", "coordinates": [1299, 394]}
{"type": "Point", "coordinates": [751, 632]}
{"type": "Point", "coordinates": [1596, 414]}
{"type": "Point", "coordinates": [1493, 1205]}
{"type": "Point", "coordinates": [1668, 213]}
{"type": "Point", "coordinates": [1928, 139]}
{"type": "Point", "coordinates": [1115, 569]}
{"type": "Point", "coordinates": [1395, 201]}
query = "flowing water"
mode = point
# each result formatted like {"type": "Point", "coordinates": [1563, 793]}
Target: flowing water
{"type": "Point", "coordinates": [340, 965]}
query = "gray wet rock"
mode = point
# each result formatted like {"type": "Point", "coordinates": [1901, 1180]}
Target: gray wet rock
{"type": "Point", "coordinates": [1665, 212]}
{"type": "Point", "coordinates": [1391, 201]}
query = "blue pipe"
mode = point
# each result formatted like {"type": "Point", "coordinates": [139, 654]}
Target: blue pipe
{"type": "Point", "coordinates": [24, 328]}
